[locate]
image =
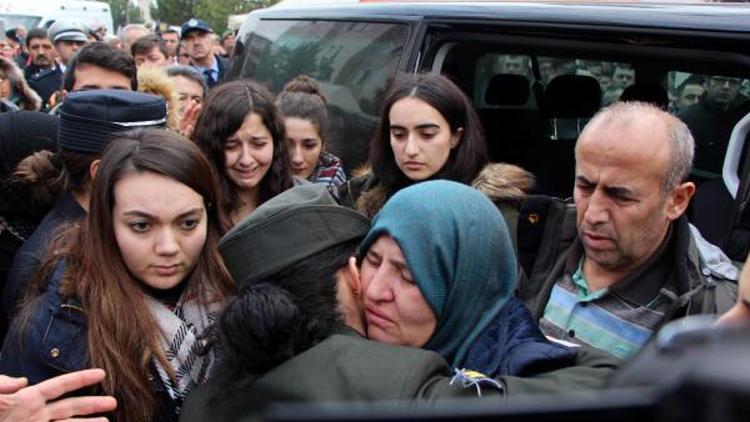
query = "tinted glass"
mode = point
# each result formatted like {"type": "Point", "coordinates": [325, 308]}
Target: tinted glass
{"type": "Point", "coordinates": [352, 60]}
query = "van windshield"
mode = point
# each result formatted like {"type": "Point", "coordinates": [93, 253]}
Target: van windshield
{"type": "Point", "coordinates": [11, 21]}
{"type": "Point", "coordinates": [353, 61]}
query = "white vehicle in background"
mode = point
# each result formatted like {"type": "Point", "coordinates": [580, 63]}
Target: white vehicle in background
{"type": "Point", "coordinates": [42, 13]}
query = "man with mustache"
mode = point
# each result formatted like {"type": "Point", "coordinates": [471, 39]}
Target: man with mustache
{"type": "Point", "coordinates": [43, 74]}
{"type": "Point", "coordinates": [636, 262]}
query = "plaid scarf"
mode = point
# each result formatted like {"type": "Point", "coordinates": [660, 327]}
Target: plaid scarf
{"type": "Point", "coordinates": [187, 354]}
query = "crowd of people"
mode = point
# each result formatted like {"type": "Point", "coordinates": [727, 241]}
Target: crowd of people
{"type": "Point", "coordinates": [192, 239]}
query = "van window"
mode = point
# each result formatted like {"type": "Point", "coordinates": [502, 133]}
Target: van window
{"type": "Point", "coordinates": [11, 21]}
{"type": "Point", "coordinates": [357, 56]}
{"type": "Point", "coordinates": [711, 105]}
{"type": "Point", "coordinates": [352, 60]}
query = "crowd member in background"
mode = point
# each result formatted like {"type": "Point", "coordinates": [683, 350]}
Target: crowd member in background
{"type": "Point", "coordinates": [197, 40]}
{"type": "Point", "coordinates": [428, 129]}
{"type": "Point", "coordinates": [88, 122]}
{"type": "Point", "coordinates": [183, 58]}
{"type": "Point", "coordinates": [99, 30]}
{"type": "Point", "coordinates": [242, 134]}
{"type": "Point", "coordinates": [15, 89]}
{"type": "Point", "coordinates": [44, 74]}
{"type": "Point", "coordinates": [130, 33]}
{"type": "Point", "coordinates": [133, 288]}
{"type": "Point", "coordinates": [190, 89]}
{"type": "Point", "coordinates": [6, 48]}
{"type": "Point", "coordinates": [41, 402]}
{"type": "Point", "coordinates": [99, 66]}
{"type": "Point", "coordinates": [113, 41]}
{"type": "Point", "coordinates": [228, 40]}
{"type": "Point", "coordinates": [21, 208]}
{"type": "Point", "coordinates": [623, 76]}
{"type": "Point", "coordinates": [295, 330]}
{"type": "Point", "coordinates": [689, 92]}
{"type": "Point", "coordinates": [438, 272]}
{"type": "Point", "coordinates": [217, 47]}
{"type": "Point", "coordinates": [171, 40]}
{"type": "Point", "coordinates": [713, 118]}
{"type": "Point", "coordinates": [149, 51]}
{"type": "Point", "coordinates": [68, 36]}
{"type": "Point", "coordinates": [155, 81]}
{"type": "Point", "coordinates": [303, 106]}
{"type": "Point", "coordinates": [13, 42]}
{"type": "Point", "coordinates": [190, 86]}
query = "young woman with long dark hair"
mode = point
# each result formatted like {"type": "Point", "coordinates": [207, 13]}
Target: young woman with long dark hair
{"type": "Point", "coordinates": [134, 288]}
{"type": "Point", "coordinates": [241, 133]}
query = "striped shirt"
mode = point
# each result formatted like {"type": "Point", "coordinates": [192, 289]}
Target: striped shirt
{"type": "Point", "coordinates": [619, 319]}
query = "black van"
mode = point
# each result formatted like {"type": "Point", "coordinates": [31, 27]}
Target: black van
{"type": "Point", "coordinates": [536, 73]}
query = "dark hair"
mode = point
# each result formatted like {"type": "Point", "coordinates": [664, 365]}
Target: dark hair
{"type": "Point", "coordinates": [35, 33]}
{"type": "Point", "coordinates": [146, 43]}
{"type": "Point", "coordinates": [97, 277]}
{"type": "Point", "coordinates": [189, 73]}
{"type": "Point", "coordinates": [52, 175]}
{"type": "Point", "coordinates": [278, 317]}
{"type": "Point", "coordinates": [464, 162]}
{"type": "Point", "coordinates": [105, 56]}
{"type": "Point", "coordinates": [302, 98]}
{"type": "Point", "coordinates": [222, 115]}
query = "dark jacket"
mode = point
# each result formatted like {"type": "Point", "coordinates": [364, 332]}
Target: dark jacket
{"type": "Point", "coordinates": [45, 81]}
{"type": "Point", "coordinates": [513, 344]}
{"type": "Point", "coordinates": [346, 368]}
{"type": "Point", "coordinates": [54, 342]}
{"type": "Point", "coordinates": [705, 279]}
{"type": "Point", "coordinates": [342, 368]}
{"type": "Point", "coordinates": [29, 256]}
{"type": "Point", "coordinates": [711, 127]}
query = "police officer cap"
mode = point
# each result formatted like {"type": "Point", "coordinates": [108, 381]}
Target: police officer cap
{"type": "Point", "coordinates": [194, 25]}
{"type": "Point", "coordinates": [286, 229]}
{"type": "Point", "coordinates": [67, 30]}
{"type": "Point", "coordinates": [90, 119]}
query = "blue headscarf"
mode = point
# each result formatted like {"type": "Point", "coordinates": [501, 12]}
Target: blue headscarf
{"type": "Point", "coordinates": [458, 250]}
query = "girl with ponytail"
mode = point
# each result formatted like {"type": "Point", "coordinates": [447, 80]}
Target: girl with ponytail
{"type": "Point", "coordinates": [303, 105]}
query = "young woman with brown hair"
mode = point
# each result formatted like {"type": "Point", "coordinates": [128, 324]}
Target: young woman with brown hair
{"type": "Point", "coordinates": [240, 131]}
{"type": "Point", "coordinates": [134, 288]}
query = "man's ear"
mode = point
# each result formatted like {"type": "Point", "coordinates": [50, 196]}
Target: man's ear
{"type": "Point", "coordinates": [94, 168]}
{"type": "Point", "coordinates": [679, 200]}
{"type": "Point", "coordinates": [352, 273]}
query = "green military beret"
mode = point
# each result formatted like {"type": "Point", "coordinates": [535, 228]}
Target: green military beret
{"type": "Point", "coordinates": [286, 229]}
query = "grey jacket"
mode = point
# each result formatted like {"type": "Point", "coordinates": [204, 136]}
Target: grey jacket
{"type": "Point", "coordinates": [706, 279]}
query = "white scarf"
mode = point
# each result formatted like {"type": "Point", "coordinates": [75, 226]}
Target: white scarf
{"type": "Point", "coordinates": [180, 329]}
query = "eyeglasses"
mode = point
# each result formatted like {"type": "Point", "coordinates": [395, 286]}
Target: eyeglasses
{"type": "Point", "coordinates": [723, 80]}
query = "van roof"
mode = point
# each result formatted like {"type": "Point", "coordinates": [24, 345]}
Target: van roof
{"type": "Point", "coordinates": [705, 16]}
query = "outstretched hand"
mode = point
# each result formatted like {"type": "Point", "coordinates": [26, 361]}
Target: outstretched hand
{"type": "Point", "coordinates": [19, 403]}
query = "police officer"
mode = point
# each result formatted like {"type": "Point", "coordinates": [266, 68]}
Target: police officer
{"type": "Point", "coordinates": [196, 39]}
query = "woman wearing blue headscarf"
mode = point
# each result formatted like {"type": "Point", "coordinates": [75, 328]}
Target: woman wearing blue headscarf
{"type": "Point", "coordinates": [438, 271]}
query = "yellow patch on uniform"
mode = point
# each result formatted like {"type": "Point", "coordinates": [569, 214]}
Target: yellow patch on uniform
{"type": "Point", "coordinates": [469, 378]}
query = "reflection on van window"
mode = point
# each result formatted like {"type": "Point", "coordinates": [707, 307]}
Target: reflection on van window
{"type": "Point", "coordinates": [352, 60]}
{"type": "Point", "coordinates": [711, 105]}
{"type": "Point", "coordinates": [357, 57]}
